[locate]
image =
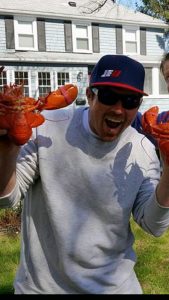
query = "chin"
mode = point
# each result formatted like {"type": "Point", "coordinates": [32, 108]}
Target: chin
{"type": "Point", "coordinates": [108, 138]}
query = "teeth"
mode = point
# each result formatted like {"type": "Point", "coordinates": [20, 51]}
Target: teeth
{"type": "Point", "coordinates": [113, 119]}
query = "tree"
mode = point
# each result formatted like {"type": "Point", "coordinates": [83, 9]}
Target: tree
{"type": "Point", "coordinates": [155, 8]}
{"type": "Point", "coordinates": [93, 6]}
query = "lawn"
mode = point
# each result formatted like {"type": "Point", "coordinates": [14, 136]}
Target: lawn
{"type": "Point", "coordinates": [152, 266]}
{"type": "Point", "coordinates": [9, 258]}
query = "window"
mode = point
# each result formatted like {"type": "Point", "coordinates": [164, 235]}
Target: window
{"type": "Point", "coordinates": [3, 80]}
{"type": "Point", "coordinates": [82, 38]}
{"type": "Point", "coordinates": [131, 40]}
{"type": "Point", "coordinates": [162, 85]}
{"type": "Point", "coordinates": [148, 80]}
{"type": "Point", "coordinates": [62, 78]}
{"type": "Point", "coordinates": [44, 83]}
{"type": "Point", "coordinates": [25, 34]}
{"type": "Point", "coordinates": [22, 78]}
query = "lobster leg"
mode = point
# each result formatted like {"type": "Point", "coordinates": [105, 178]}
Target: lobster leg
{"type": "Point", "coordinates": [34, 119]}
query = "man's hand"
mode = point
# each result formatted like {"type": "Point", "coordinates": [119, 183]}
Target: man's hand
{"type": "Point", "coordinates": [8, 155]}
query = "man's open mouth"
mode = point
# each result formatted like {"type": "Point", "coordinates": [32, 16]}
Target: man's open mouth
{"type": "Point", "coordinates": [112, 122]}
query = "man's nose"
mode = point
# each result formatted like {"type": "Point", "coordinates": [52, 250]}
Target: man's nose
{"type": "Point", "coordinates": [118, 107]}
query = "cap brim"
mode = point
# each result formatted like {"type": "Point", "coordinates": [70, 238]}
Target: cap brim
{"type": "Point", "coordinates": [120, 85]}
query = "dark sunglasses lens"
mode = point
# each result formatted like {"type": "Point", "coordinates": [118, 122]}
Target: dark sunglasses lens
{"type": "Point", "coordinates": [131, 102]}
{"type": "Point", "coordinates": [108, 97]}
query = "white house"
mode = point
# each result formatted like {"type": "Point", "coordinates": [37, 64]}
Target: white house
{"type": "Point", "coordinates": [48, 43]}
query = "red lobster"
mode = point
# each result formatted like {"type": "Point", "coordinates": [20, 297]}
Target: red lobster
{"type": "Point", "coordinates": [158, 131]}
{"type": "Point", "coordinates": [19, 114]}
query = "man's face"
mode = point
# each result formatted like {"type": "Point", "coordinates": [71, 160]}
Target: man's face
{"type": "Point", "coordinates": [166, 73]}
{"type": "Point", "coordinates": [109, 121]}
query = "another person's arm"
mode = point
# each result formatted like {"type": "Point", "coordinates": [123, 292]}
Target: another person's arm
{"type": "Point", "coordinates": [162, 191]}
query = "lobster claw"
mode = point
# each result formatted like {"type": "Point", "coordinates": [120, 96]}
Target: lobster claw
{"type": "Point", "coordinates": [62, 97]}
{"type": "Point", "coordinates": [159, 131]}
{"type": "Point", "coordinates": [149, 119]}
{"type": "Point", "coordinates": [19, 114]}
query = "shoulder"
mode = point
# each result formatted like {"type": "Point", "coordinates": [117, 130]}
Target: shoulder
{"type": "Point", "coordinates": [141, 144]}
{"type": "Point", "coordinates": [163, 117]}
{"type": "Point", "coordinates": [58, 114]}
{"type": "Point", "coordinates": [137, 122]}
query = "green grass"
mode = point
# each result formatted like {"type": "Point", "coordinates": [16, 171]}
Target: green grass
{"type": "Point", "coordinates": [9, 258]}
{"type": "Point", "coordinates": [152, 266]}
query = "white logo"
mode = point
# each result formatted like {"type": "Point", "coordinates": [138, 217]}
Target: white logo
{"type": "Point", "coordinates": [111, 73]}
{"type": "Point", "coordinates": [107, 73]}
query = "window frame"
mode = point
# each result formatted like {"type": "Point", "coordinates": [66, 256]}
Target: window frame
{"type": "Point", "coordinates": [88, 38]}
{"type": "Point", "coordinates": [66, 82]}
{"type": "Point", "coordinates": [43, 86]}
{"type": "Point", "coordinates": [29, 79]}
{"type": "Point", "coordinates": [17, 31]}
{"type": "Point", "coordinates": [137, 40]}
{"type": "Point", "coordinates": [3, 79]}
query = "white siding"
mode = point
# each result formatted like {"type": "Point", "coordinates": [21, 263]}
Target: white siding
{"type": "Point", "coordinates": [55, 36]}
{"type": "Point", "coordinates": [107, 39]}
{"type": "Point", "coordinates": [155, 42]}
{"type": "Point", "coordinates": [2, 35]}
{"type": "Point", "coordinates": [162, 103]}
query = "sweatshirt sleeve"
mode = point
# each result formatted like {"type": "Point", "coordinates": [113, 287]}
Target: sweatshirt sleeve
{"type": "Point", "coordinates": [156, 217]}
{"type": "Point", "coordinates": [27, 166]}
{"type": "Point", "coordinates": [11, 199]}
{"type": "Point", "coordinates": [27, 171]}
{"type": "Point", "coordinates": [146, 211]}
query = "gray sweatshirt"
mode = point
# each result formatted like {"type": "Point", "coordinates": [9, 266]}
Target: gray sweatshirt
{"type": "Point", "coordinates": [79, 194]}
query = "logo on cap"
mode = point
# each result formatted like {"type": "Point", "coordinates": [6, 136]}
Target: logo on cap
{"type": "Point", "coordinates": [111, 73]}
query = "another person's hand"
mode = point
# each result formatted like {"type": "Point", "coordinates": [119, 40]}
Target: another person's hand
{"type": "Point", "coordinates": [164, 150]}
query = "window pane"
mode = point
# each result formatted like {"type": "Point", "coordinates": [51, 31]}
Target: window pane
{"type": "Point", "coordinates": [130, 35]}
{"type": "Point", "coordinates": [148, 81]}
{"type": "Point", "coordinates": [44, 84]}
{"type": "Point", "coordinates": [82, 44]}
{"type": "Point", "coordinates": [26, 41]}
{"type": "Point", "coordinates": [43, 91]}
{"type": "Point", "coordinates": [22, 78]}
{"type": "Point", "coordinates": [3, 80]}
{"type": "Point", "coordinates": [162, 84]}
{"type": "Point", "coordinates": [63, 78]}
{"type": "Point", "coordinates": [24, 26]}
{"type": "Point", "coordinates": [81, 31]}
{"type": "Point", "coordinates": [131, 47]}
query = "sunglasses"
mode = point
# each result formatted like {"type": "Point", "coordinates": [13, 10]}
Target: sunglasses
{"type": "Point", "coordinates": [109, 97]}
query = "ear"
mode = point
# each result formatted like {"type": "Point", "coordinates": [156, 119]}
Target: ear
{"type": "Point", "coordinates": [89, 95]}
{"type": "Point", "coordinates": [140, 103]}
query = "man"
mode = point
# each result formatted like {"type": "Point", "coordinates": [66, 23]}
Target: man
{"type": "Point", "coordinates": [82, 175]}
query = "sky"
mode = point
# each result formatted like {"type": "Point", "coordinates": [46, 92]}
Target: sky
{"type": "Point", "coordinates": [129, 3]}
